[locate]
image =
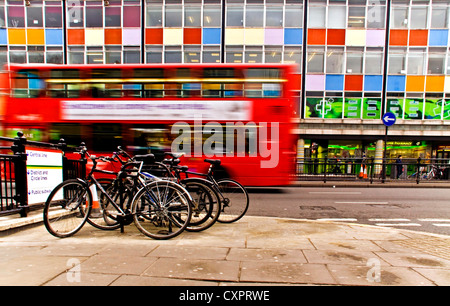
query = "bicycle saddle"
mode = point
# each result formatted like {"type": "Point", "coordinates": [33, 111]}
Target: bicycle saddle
{"type": "Point", "coordinates": [148, 158]}
{"type": "Point", "coordinates": [215, 162]}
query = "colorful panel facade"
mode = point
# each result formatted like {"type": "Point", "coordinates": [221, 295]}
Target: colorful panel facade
{"type": "Point", "coordinates": [348, 54]}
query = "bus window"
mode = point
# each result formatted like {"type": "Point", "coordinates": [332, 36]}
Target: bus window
{"type": "Point", "coordinates": [233, 90]}
{"type": "Point", "coordinates": [263, 73]}
{"type": "Point", "coordinates": [148, 73]}
{"type": "Point", "coordinates": [64, 83]}
{"type": "Point", "coordinates": [27, 84]}
{"type": "Point", "coordinates": [70, 132]}
{"type": "Point", "coordinates": [106, 137]}
{"type": "Point", "coordinates": [153, 90]}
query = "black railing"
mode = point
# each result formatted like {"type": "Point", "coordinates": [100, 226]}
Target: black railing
{"type": "Point", "coordinates": [371, 169]}
{"type": "Point", "coordinates": [13, 172]}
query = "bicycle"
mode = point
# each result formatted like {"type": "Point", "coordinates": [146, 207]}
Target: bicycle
{"type": "Point", "coordinates": [206, 203]}
{"type": "Point", "coordinates": [160, 209]}
{"type": "Point", "coordinates": [233, 196]}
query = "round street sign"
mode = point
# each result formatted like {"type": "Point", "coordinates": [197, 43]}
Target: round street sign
{"type": "Point", "coordinates": [389, 119]}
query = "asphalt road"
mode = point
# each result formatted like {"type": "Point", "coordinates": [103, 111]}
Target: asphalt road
{"type": "Point", "coordinates": [419, 209]}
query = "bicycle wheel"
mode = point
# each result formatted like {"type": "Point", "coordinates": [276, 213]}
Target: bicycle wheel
{"type": "Point", "coordinates": [234, 198]}
{"type": "Point", "coordinates": [206, 206]}
{"type": "Point", "coordinates": [161, 209]}
{"type": "Point", "coordinates": [67, 208]}
{"type": "Point", "coordinates": [104, 215]}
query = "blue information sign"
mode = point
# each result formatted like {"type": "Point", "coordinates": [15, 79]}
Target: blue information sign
{"type": "Point", "coordinates": [389, 119]}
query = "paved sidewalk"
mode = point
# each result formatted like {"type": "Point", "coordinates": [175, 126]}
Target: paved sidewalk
{"type": "Point", "coordinates": [253, 251]}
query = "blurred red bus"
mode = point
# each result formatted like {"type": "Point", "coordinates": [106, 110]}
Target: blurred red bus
{"type": "Point", "coordinates": [149, 108]}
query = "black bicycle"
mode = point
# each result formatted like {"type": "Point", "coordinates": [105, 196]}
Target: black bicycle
{"type": "Point", "coordinates": [160, 209]}
{"type": "Point", "coordinates": [206, 204]}
{"type": "Point", "coordinates": [233, 196]}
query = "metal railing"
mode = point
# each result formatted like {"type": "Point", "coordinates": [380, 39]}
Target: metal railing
{"type": "Point", "coordinates": [371, 169]}
{"type": "Point", "coordinates": [13, 172]}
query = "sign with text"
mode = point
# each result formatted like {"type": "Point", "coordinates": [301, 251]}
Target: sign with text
{"type": "Point", "coordinates": [44, 172]}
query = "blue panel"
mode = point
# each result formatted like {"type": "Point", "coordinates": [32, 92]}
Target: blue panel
{"type": "Point", "coordinates": [396, 83]}
{"type": "Point", "coordinates": [438, 38]}
{"type": "Point", "coordinates": [334, 82]}
{"type": "Point", "coordinates": [54, 37]}
{"type": "Point", "coordinates": [211, 36]}
{"type": "Point", "coordinates": [373, 83]}
{"type": "Point", "coordinates": [3, 37]}
{"type": "Point", "coordinates": [293, 36]}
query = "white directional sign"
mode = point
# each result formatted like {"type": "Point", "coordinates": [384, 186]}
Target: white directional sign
{"type": "Point", "coordinates": [44, 172]}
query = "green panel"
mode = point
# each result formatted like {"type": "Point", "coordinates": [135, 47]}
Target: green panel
{"type": "Point", "coordinates": [414, 109]}
{"type": "Point", "coordinates": [433, 109]}
{"type": "Point", "coordinates": [352, 108]}
{"type": "Point", "coordinates": [333, 108]}
{"type": "Point", "coordinates": [446, 111]}
{"type": "Point", "coordinates": [395, 106]}
{"type": "Point", "coordinates": [372, 108]}
{"type": "Point", "coordinates": [313, 108]}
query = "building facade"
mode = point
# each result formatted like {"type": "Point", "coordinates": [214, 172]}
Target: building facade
{"type": "Point", "coordinates": [356, 59]}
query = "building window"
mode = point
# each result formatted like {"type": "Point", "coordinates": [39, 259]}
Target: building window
{"type": "Point", "coordinates": [439, 17]}
{"type": "Point", "coordinates": [154, 54]}
{"type": "Point", "coordinates": [16, 17]}
{"type": "Point", "coordinates": [356, 17]}
{"type": "Point", "coordinates": [154, 16]}
{"type": "Point", "coordinates": [113, 16]}
{"type": "Point", "coordinates": [254, 16]}
{"type": "Point", "coordinates": [212, 15]}
{"type": "Point", "coordinates": [316, 17]}
{"type": "Point", "coordinates": [335, 60]}
{"type": "Point", "coordinates": [315, 59]}
{"type": "Point", "coordinates": [211, 55]}
{"type": "Point", "coordinates": [374, 61]}
{"type": "Point", "coordinates": [94, 17]}
{"type": "Point", "coordinates": [355, 60]}
{"type": "Point", "coordinates": [399, 18]}
{"type": "Point", "coordinates": [34, 17]}
{"type": "Point", "coordinates": [192, 16]}
{"type": "Point", "coordinates": [53, 16]}
{"type": "Point", "coordinates": [397, 60]}
{"type": "Point", "coordinates": [436, 60]}
{"type": "Point", "coordinates": [235, 16]}
{"type": "Point", "coordinates": [293, 16]}
{"type": "Point", "coordinates": [337, 16]}
{"type": "Point", "coordinates": [419, 17]}
{"type": "Point", "coordinates": [274, 16]}
{"type": "Point", "coordinates": [173, 16]}
{"type": "Point", "coordinates": [416, 61]}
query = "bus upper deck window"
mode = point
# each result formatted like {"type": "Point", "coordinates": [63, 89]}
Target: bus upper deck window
{"type": "Point", "coordinates": [27, 84]}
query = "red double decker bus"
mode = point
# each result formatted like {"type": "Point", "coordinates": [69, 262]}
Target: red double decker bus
{"type": "Point", "coordinates": [239, 113]}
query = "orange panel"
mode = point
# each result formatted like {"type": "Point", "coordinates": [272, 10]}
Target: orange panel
{"type": "Point", "coordinates": [316, 36]}
{"type": "Point", "coordinates": [16, 37]}
{"type": "Point", "coordinates": [418, 37]}
{"type": "Point", "coordinates": [336, 37]}
{"type": "Point", "coordinates": [415, 83]}
{"type": "Point", "coordinates": [435, 83]}
{"type": "Point", "coordinates": [75, 36]}
{"type": "Point", "coordinates": [154, 36]}
{"type": "Point", "coordinates": [113, 36]}
{"type": "Point", "coordinates": [354, 82]}
{"type": "Point", "coordinates": [398, 38]}
{"type": "Point", "coordinates": [192, 36]}
{"type": "Point", "coordinates": [35, 37]}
